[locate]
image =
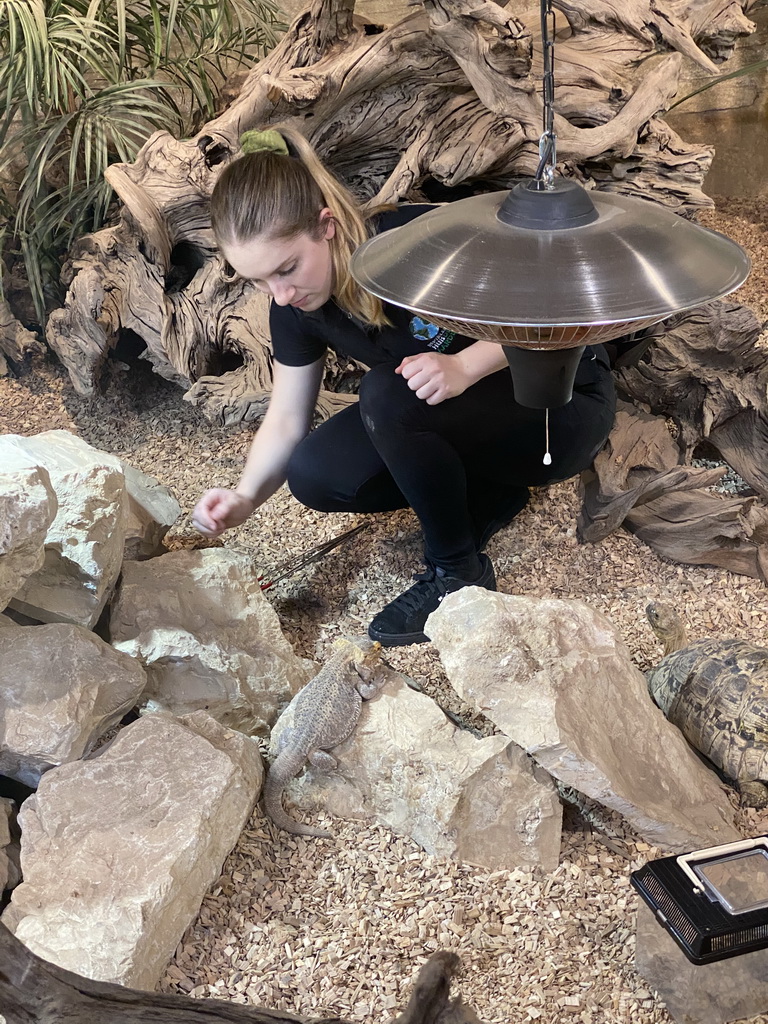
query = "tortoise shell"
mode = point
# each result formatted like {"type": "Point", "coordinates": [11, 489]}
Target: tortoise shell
{"type": "Point", "coordinates": [716, 693]}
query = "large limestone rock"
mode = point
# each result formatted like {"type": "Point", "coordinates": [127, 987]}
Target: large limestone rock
{"type": "Point", "coordinates": [408, 767]}
{"type": "Point", "coordinates": [150, 510]}
{"type": "Point", "coordinates": [185, 674]}
{"type": "Point", "coordinates": [10, 874]}
{"type": "Point", "coordinates": [28, 506]}
{"type": "Point", "coordinates": [84, 545]}
{"type": "Point", "coordinates": [119, 850]}
{"type": "Point", "coordinates": [62, 688]}
{"type": "Point", "coordinates": [198, 617]}
{"type": "Point", "coordinates": [555, 677]}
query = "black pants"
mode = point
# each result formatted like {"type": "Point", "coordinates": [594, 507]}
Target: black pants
{"type": "Point", "coordinates": [456, 463]}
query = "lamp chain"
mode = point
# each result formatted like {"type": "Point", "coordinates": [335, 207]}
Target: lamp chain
{"type": "Point", "coordinates": [545, 172]}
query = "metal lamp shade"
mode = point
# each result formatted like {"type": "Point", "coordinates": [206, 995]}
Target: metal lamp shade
{"type": "Point", "coordinates": [472, 267]}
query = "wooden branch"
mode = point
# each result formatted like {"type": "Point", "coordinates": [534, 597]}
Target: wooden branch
{"type": "Point", "coordinates": [472, 51]}
{"type": "Point", "coordinates": [637, 482]}
{"type": "Point", "coordinates": [639, 463]}
{"type": "Point", "coordinates": [147, 217]}
{"type": "Point", "coordinates": [33, 991]}
{"type": "Point", "coordinates": [429, 1002]}
{"type": "Point", "coordinates": [189, 328]}
{"type": "Point", "coordinates": [742, 441]}
{"type": "Point", "coordinates": [441, 149]}
{"type": "Point", "coordinates": [647, 22]}
{"type": "Point", "coordinates": [698, 528]}
{"type": "Point", "coordinates": [658, 168]}
{"type": "Point", "coordinates": [709, 375]}
{"type": "Point", "coordinates": [718, 24]}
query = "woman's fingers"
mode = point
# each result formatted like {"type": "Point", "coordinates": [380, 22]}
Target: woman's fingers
{"type": "Point", "coordinates": [430, 392]}
{"type": "Point", "coordinates": [433, 376]}
{"type": "Point", "coordinates": [211, 512]}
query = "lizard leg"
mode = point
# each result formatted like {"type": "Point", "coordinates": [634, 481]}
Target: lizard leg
{"type": "Point", "coordinates": [323, 760]}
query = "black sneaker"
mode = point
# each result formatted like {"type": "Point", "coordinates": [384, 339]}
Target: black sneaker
{"type": "Point", "coordinates": [402, 621]}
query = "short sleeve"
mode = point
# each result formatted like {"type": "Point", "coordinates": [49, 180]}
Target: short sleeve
{"type": "Point", "coordinates": [294, 342]}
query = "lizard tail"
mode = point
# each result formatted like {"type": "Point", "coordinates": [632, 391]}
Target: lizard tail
{"type": "Point", "coordinates": [274, 807]}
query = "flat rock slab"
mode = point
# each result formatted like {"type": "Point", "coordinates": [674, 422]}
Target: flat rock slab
{"type": "Point", "coordinates": [84, 544]}
{"type": "Point", "coordinates": [118, 851]}
{"type": "Point", "coordinates": [62, 688]}
{"type": "Point", "coordinates": [28, 506]}
{"type": "Point", "coordinates": [185, 601]}
{"type": "Point", "coordinates": [727, 990]}
{"type": "Point", "coordinates": [407, 766]}
{"type": "Point", "coordinates": [556, 678]}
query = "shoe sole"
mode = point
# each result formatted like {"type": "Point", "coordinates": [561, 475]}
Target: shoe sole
{"type": "Point", "coordinates": [398, 639]}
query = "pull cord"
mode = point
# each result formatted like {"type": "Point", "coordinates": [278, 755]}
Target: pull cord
{"type": "Point", "coordinates": [547, 460]}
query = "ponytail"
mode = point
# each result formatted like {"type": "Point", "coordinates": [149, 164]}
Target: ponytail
{"type": "Point", "coordinates": [268, 192]}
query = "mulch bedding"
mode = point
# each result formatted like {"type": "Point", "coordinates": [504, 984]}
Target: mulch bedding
{"type": "Point", "coordinates": [342, 925]}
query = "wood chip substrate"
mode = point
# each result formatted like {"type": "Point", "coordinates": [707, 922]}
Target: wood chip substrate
{"type": "Point", "coordinates": [342, 925]}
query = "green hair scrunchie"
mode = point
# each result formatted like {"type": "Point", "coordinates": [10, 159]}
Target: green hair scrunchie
{"type": "Point", "coordinates": [269, 141]}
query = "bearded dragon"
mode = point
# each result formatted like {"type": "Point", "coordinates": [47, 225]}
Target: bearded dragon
{"type": "Point", "coordinates": [325, 713]}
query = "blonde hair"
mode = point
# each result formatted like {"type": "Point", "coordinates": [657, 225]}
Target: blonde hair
{"type": "Point", "coordinates": [269, 193]}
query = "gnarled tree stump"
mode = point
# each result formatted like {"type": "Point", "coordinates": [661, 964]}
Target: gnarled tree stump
{"type": "Point", "coordinates": [451, 93]}
{"type": "Point", "coordinates": [16, 342]}
{"type": "Point", "coordinates": [709, 375]}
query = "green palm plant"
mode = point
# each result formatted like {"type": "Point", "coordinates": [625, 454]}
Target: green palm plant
{"type": "Point", "coordinates": [83, 83]}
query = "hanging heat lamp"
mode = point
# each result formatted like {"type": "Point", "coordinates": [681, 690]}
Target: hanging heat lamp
{"type": "Point", "coordinates": [548, 268]}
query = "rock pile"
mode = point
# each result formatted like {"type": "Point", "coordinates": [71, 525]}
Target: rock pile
{"type": "Point", "coordinates": [131, 822]}
{"type": "Point", "coordinates": [62, 688]}
{"type": "Point", "coordinates": [570, 707]}
{"type": "Point", "coordinates": [10, 848]}
{"type": "Point", "coordinates": [69, 536]}
{"type": "Point", "coordinates": [407, 766]}
{"type": "Point", "coordinates": [123, 836]}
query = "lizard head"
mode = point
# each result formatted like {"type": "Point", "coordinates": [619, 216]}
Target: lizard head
{"type": "Point", "coordinates": [368, 660]}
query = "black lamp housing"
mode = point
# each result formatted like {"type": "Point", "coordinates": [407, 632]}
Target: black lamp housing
{"type": "Point", "coordinates": [713, 902]}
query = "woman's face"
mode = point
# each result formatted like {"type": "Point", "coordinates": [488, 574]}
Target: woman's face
{"type": "Point", "coordinates": [294, 271]}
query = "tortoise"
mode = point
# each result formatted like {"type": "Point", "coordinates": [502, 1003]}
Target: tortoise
{"type": "Point", "coordinates": [716, 693]}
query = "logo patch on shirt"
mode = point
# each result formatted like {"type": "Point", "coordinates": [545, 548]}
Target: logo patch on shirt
{"type": "Point", "coordinates": [436, 338]}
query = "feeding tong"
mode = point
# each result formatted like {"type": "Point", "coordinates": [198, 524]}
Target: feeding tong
{"type": "Point", "coordinates": [314, 554]}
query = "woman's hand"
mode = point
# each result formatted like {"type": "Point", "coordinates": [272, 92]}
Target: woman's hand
{"type": "Point", "coordinates": [435, 376]}
{"type": "Point", "coordinates": [219, 510]}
